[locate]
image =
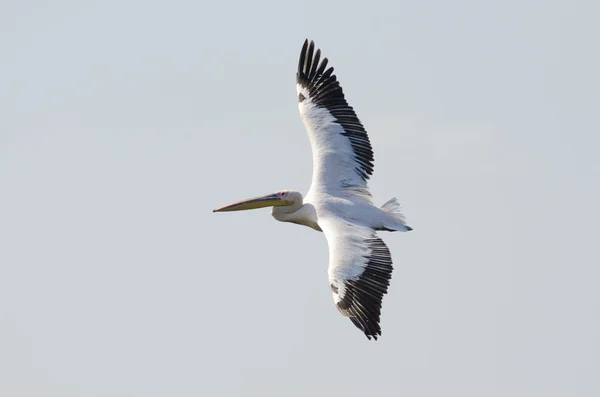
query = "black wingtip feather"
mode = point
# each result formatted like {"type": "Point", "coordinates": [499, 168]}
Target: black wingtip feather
{"type": "Point", "coordinates": [301, 60]}
{"type": "Point", "coordinates": [363, 296]}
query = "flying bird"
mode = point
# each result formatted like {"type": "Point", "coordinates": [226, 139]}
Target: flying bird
{"type": "Point", "coordinates": [338, 202]}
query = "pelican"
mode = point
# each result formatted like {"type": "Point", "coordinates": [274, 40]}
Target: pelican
{"type": "Point", "coordinates": [338, 202]}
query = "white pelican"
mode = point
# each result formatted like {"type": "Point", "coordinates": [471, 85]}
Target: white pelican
{"type": "Point", "coordinates": [339, 202]}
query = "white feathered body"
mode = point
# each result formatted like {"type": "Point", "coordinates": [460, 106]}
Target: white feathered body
{"type": "Point", "coordinates": [339, 202]}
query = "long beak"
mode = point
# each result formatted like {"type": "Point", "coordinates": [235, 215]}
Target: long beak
{"type": "Point", "coordinates": [270, 200]}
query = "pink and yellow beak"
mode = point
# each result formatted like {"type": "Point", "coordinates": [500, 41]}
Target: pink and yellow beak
{"type": "Point", "coordinates": [270, 200]}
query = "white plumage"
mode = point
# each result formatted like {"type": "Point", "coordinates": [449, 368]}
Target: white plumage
{"type": "Point", "coordinates": [339, 202]}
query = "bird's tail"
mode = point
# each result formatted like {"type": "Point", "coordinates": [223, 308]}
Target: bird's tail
{"type": "Point", "coordinates": [392, 207]}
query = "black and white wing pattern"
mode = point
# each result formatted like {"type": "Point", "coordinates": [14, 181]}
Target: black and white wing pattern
{"type": "Point", "coordinates": [360, 269]}
{"type": "Point", "coordinates": [342, 153]}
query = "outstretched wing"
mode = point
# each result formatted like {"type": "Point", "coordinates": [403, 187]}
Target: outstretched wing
{"type": "Point", "coordinates": [360, 269]}
{"type": "Point", "coordinates": [342, 153]}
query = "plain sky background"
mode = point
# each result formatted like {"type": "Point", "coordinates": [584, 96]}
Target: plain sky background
{"type": "Point", "coordinates": [123, 124]}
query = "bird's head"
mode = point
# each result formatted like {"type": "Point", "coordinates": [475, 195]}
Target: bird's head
{"type": "Point", "coordinates": [288, 200]}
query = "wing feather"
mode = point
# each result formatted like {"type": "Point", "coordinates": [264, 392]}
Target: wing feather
{"type": "Point", "coordinates": [342, 152]}
{"type": "Point", "coordinates": [360, 270]}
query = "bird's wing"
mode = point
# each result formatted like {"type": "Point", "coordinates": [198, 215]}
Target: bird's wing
{"type": "Point", "coordinates": [342, 153]}
{"type": "Point", "coordinates": [360, 269]}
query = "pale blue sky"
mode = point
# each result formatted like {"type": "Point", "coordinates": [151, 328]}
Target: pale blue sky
{"type": "Point", "coordinates": [123, 124]}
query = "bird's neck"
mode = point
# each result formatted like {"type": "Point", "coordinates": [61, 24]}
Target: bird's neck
{"type": "Point", "coordinates": [305, 215]}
